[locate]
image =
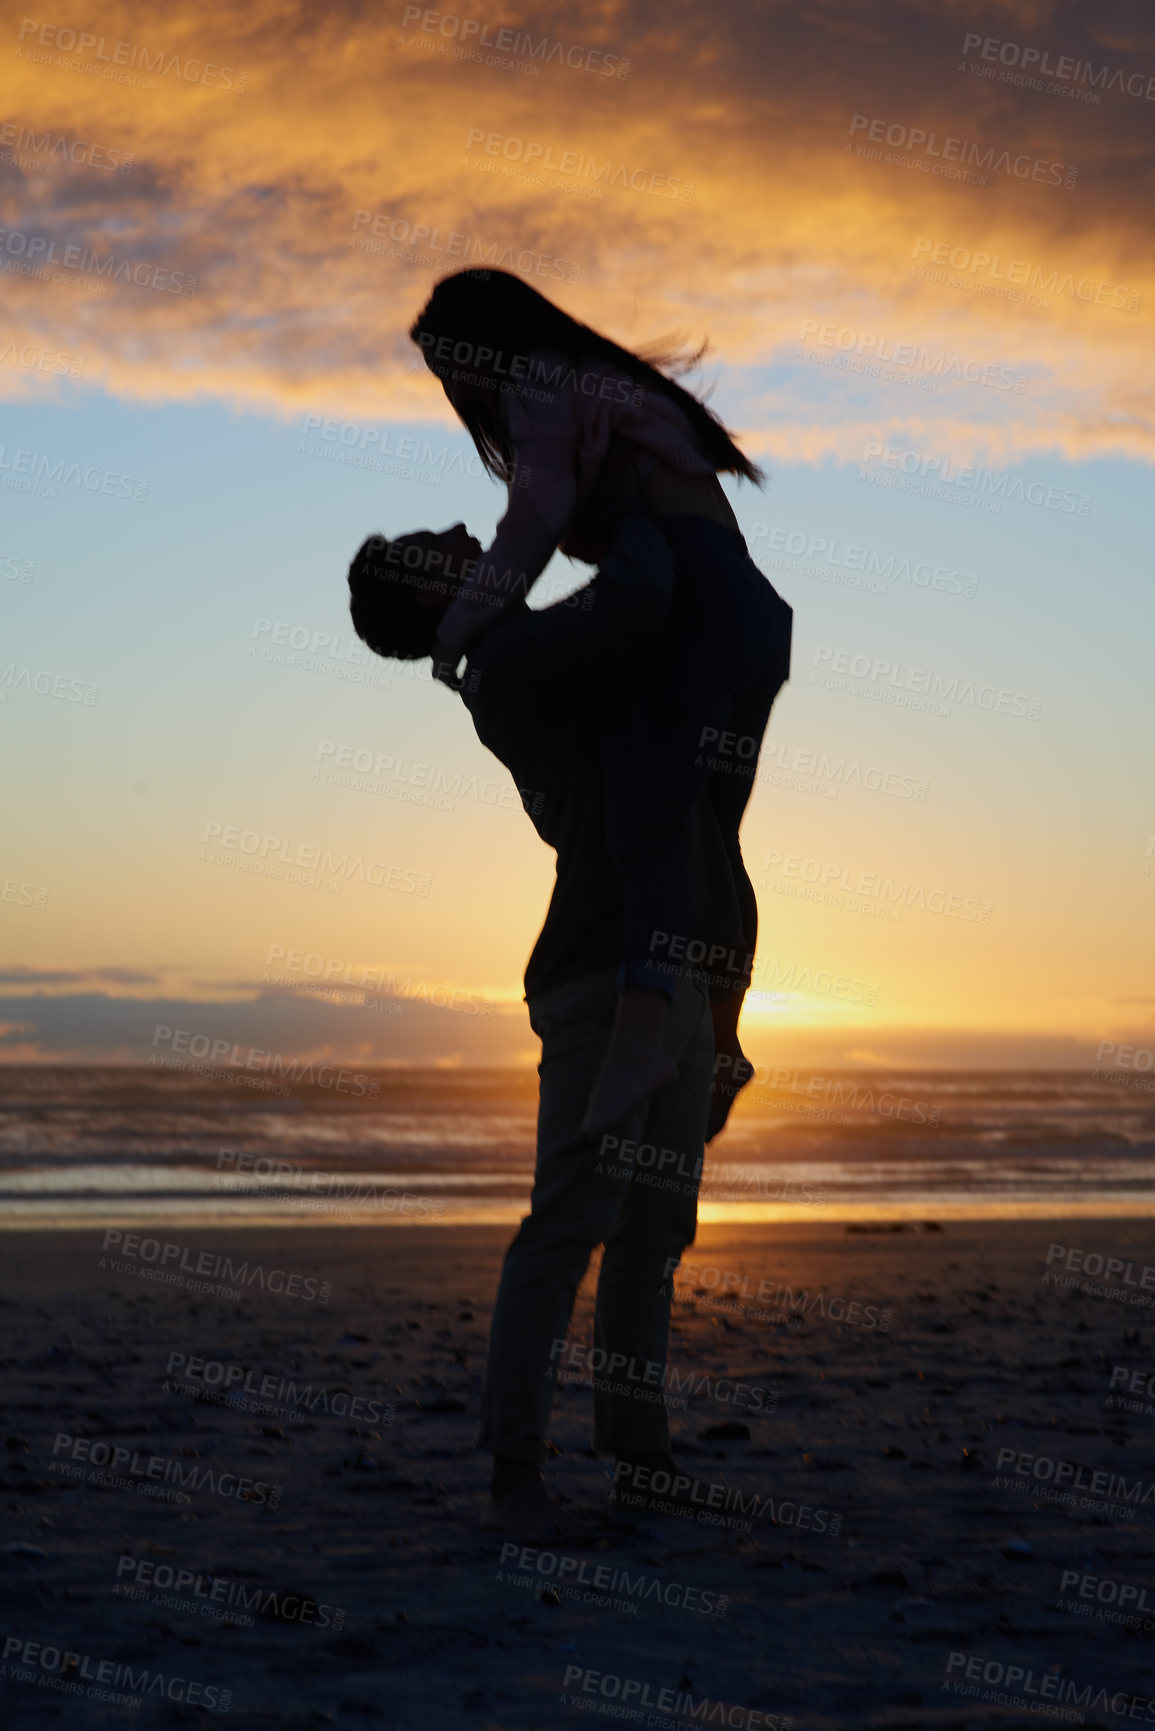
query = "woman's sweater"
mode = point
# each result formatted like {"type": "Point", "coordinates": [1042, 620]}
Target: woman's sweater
{"type": "Point", "coordinates": [561, 421]}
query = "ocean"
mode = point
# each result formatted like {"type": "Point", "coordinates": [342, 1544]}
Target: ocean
{"type": "Point", "coordinates": [119, 1147]}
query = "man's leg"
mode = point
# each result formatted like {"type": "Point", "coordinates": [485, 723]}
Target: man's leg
{"type": "Point", "coordinates": [700, 698]}
{"type": "Point", "coordinates": [577, 1196]}
{"type": "Point", "coordinates": [656, 1223]}
{"type": "Point", "coordinates": [728, 795]}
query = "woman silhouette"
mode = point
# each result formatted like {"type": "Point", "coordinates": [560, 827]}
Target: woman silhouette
{"type": "Point", "coordinates": [576, 425]}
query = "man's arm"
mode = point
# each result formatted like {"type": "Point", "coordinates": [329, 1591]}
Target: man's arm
{"type": "Point", "coordinates": [572, 642]}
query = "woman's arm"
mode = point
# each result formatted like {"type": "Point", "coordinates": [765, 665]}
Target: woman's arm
{"type": "Point", "coordinates": [558, 650]}
{"type": "Point", "coordinates": [542, 497]}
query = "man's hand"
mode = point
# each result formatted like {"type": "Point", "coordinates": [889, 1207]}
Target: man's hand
{"type": "Point", "coordinates": [446, 671]}
{"type": "Point", "coordinates": [729, 1080]}
{"type": "Point", "coordinates": [462, 624]}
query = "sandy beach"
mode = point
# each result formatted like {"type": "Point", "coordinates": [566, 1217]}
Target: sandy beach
{"type": "Point", "coordinates": [924, 1462]}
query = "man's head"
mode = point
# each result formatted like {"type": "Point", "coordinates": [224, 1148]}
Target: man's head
{"type": "Point", "coordinates": [399, 589]}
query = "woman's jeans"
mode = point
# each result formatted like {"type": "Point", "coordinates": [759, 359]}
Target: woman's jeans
{"type": "Point", "coordinates": [690, 721]}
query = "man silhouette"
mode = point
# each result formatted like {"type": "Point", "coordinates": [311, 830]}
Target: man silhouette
{"type": "Point", "coordinates": [535, 685]}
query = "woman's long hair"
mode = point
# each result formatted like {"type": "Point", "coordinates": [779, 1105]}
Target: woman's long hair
{"type": "Point", "coordinates": [477, 321]}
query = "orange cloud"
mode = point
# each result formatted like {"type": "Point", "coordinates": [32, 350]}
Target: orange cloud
{"type": "Point", "coordinates": [719, 188]}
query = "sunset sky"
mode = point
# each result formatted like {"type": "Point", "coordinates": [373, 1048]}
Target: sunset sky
{"type": "Point", "coordinates": [210, 400]}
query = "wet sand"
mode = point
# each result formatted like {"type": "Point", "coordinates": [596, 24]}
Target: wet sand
{"type": "Point", "coordinates": [867, 1552]}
